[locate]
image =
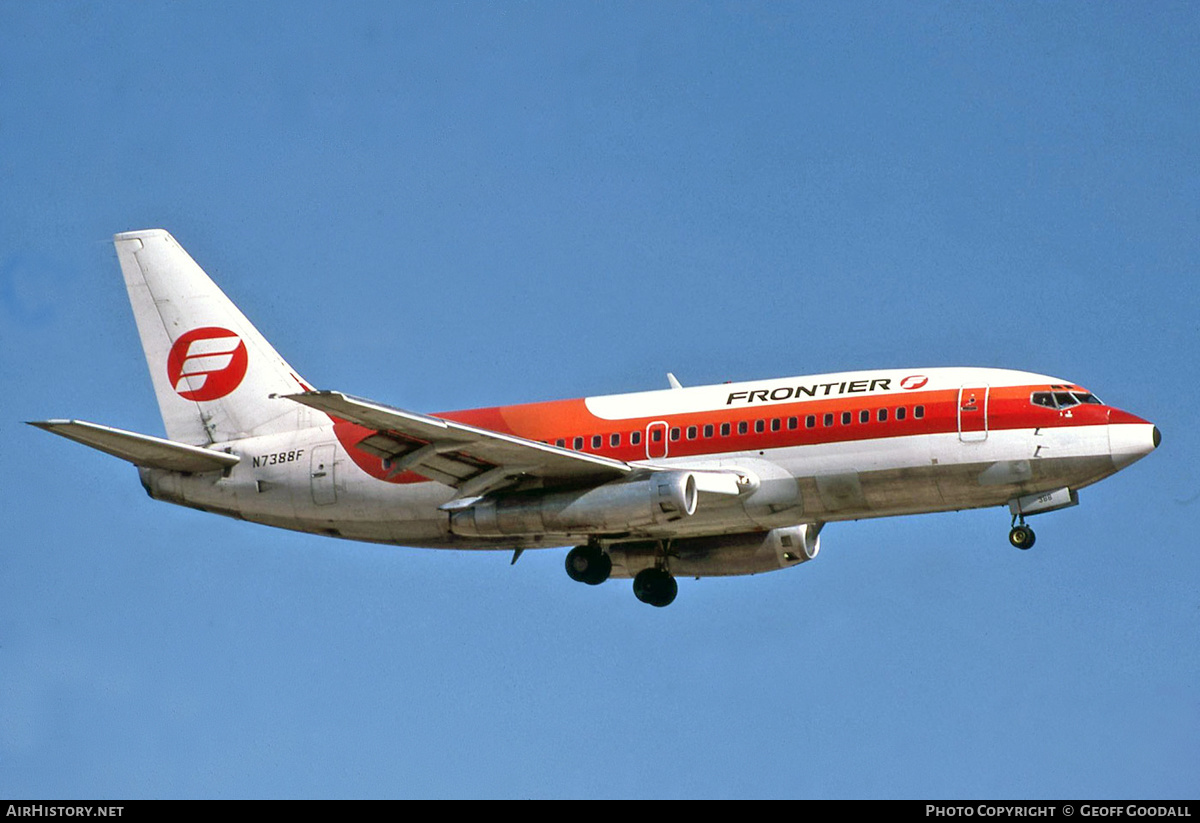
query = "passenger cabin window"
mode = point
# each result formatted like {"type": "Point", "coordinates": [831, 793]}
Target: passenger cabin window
{"type": "Point", "coordinates": [656, 435]}
{"type": "Point", "coordinates": [597, 441]}
{"type": "Point", "coordinates": [810, 421]}
{"type": "Point", "coordinates": [675, 433]}
{"type": "Point", "coordinates": [635, 438]}
{"type": "Point", "coordinates": [847, 418]}
{"type": "Point", "coordinates": [614, 440]}
{"type": "Point", "coordinates": [743, 427]}
{"type": "Point", "coordinates": [775, 424]}
{"type": "Point", "coordinates": [919, 412]}
{"type": "Point", "coordinates": [901, 413]}
{"type": "Point", "coordinates": [829, 419]}
{"type": "Point", "coordinates": [578, 443]}
{"type": "Point", "coordinates": [724, 429]}
{"type": "Point", "coordinates": [708, 430]}
{"type": "Point", "coordinates": [864, 416]}
{"type": "Point", "coordinates": [883, 415]}
{"type": "Point", "coordinates": [760, 426]}
{"type": "Point", "coordinates": [691, 432]}
{"type": "Point", "coordinates": [560, 443]}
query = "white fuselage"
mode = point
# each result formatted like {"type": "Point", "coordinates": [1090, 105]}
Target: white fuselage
{"type": "Point", "coordinates": [311, 480]}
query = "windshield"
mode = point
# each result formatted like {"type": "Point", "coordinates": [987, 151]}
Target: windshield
{"type": "Point", "coordinates": [1063, 399]}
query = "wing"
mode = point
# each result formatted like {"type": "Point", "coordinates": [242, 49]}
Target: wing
{"type": "Point", "coordinates": [471, 459]}
{"type": "Point", "coordinates": [140, 449]}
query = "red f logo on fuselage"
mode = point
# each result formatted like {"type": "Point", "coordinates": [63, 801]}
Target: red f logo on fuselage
{"type": "Point", "coordinates": [207, 363]}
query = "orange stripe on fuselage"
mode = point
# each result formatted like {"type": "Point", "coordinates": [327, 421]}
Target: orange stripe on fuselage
{"type": "Point", "coordinates": [1008, 407]}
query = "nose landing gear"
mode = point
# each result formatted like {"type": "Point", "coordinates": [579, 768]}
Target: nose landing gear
{"type": "Point", "coordinates": [1021, 535]}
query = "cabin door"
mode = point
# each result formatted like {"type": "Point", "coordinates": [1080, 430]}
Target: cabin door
{"type": "Point", "coordinates": [324, 492]}
{"type": "Point", "coordinates": [973, 413]}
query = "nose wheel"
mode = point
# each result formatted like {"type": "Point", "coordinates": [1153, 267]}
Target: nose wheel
{"type": "Point", "coordinates": [1021, 536]}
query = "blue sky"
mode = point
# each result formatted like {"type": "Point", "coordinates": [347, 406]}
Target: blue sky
{"type": "Point", "coordinates": [454, 205]}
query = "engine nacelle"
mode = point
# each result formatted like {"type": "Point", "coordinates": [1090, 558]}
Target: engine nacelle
{"type": "Point", "coordinates": [660, 498]}
{"type": "Point", "coordinates": [723, 555]}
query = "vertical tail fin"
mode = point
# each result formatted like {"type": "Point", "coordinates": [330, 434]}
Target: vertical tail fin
{"type": "Point", "coordinates": [215, 376]}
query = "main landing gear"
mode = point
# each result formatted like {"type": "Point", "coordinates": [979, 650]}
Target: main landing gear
{"type": "Point", "coordinates": [655, 586]}
{"type": "Point", "coordinates": [590, 564]}
{"type": "Point", "coordinates": [1021, 535]}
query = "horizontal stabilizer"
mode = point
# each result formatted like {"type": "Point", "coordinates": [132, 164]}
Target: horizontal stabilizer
{"type": "Point", "coordinates": [140, 449]}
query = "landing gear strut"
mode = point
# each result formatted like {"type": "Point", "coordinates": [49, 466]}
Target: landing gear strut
{"type": "Point", "coordinates": [588, 564]}
{"type": "Point", "coordinates": [1021, 535]}
{"type": "Point", "coordinates": [655, 586]}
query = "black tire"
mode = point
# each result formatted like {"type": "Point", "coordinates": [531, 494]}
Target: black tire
{"type": "Point", "coordinates": [588, 565]}
{"type": "Point", "coordinates": [655, 587]}
{"type": "Point", "coordinates": [1022, 537]}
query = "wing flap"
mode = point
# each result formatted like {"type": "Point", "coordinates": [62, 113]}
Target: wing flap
{"type": "Point", "coordinates": [140, 449]}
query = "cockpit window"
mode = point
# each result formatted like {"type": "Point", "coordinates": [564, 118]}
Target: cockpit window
{"type": "Point", "coordinates": [1063, 399]}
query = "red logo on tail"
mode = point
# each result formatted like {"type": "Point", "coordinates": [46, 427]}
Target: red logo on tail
{"type": "Point", "coordinates": [207, 363]}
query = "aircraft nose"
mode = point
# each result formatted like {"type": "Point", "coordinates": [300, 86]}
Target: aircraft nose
{"type": "Point", "coordinates": [1131, 441]}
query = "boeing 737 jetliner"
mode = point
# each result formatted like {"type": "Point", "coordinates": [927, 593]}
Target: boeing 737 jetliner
{"type": "Point", "coordinates": [730, 479]}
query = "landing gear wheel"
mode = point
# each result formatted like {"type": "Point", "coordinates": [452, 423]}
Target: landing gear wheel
{"type": "Point", "coordinates": [588, 564]}
{"type": "Point", "coordinates": [655, 587]}
{"type": "Point", "coordinates": [1021, 536]}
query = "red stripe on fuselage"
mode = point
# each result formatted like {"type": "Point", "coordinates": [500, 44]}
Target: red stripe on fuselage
{"type": "Point", "coordinates": [1008, 408]}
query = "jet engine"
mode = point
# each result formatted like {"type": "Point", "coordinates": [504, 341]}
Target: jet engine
{"type": "Point", "coordinates": [656, 499]}
{"type": "Point", "coordinates": [722, 555]}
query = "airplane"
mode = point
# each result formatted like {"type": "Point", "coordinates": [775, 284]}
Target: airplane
{"type": "Point", "coordinates": [728, 479]}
